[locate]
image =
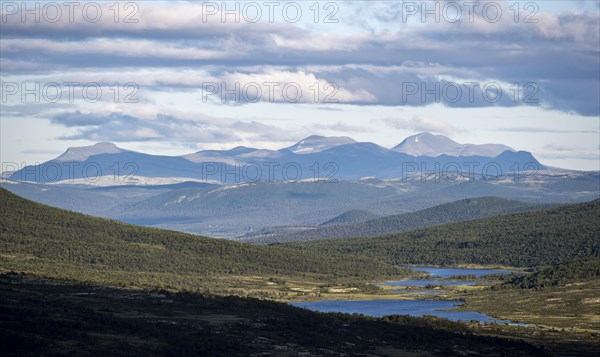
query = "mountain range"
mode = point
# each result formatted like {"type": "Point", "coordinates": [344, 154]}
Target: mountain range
{"type": "Point", "coordinates": [312, 188]}
{"type": "Point", "coordinates": [313, 158]}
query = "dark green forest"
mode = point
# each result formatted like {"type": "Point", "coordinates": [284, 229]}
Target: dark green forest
{"type": "Point", "coordinates": [575, 270]}
{"type": "Point", "coordinates": [53, 242]}
{"type": "Point", "coordinates": [525, 239]}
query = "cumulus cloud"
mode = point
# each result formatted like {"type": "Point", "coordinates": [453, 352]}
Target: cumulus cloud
{"type": "Point", "coordinates": [292, 86]}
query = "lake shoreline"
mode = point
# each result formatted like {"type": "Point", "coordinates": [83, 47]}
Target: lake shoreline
{"type": "Point", "coordinates": [441, 295]}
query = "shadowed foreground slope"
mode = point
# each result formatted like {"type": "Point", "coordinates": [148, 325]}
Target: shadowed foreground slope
{"type": "Point", "coordinates": [53, 318]}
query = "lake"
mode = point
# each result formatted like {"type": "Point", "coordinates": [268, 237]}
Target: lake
{"type": "Point", "coordinates": [378, 308]}
{"type": "Point", "coordinates": [418, 292]}
{"type": "Point", "coordinates": [439, 308]}
{"type": "Point", "coordinates": [450, 272]}
{"type": "Point", "coordinates": [417, 282]}
{"type": "Point", "coordinates": [443, 273]}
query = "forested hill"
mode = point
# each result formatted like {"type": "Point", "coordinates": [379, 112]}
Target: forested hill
{"type": "Point", "coordinates": [457, 211]}
{"type": "Point", "coordinates": [350, 217]}
{"type": "Point", "coordinates": [533, 238]}
{"type": "Point", "coordinates": [576, 270]}
{"type": "Point", "coordinates": [48, 241]}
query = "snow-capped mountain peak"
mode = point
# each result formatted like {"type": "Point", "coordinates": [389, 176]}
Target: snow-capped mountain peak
{"type": "Point", "coordinates": [426, 144]}
{"type": "Point", "coordinates": [317, 143]}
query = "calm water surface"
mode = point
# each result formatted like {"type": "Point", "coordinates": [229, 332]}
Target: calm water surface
{"type": "Point", "coordinates": [443, 273]}
{"type": "Point", "coordinates": [450, 272]}
{"type": "Point", "coordinates": [439, 308]}
{"type": "Point", "coordinates": [378, 308]}
{"type": "Point", "coordinates": [417, 282]}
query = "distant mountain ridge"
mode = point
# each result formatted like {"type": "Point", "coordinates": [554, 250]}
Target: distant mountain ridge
{"type": "Point", "coordinates": [315, 157]}
{"type": "Point", "coordinates": [423, 144]}
{"type": "Point", "coordinates": [234, 210]}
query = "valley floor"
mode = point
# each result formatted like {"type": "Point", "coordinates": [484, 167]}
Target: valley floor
{"type": "Point", "coordinates": [40, 316]}
{"type": "Point", "coordinates": [49, 317]}
{"type": "Point", "coordinates": [567, 317]}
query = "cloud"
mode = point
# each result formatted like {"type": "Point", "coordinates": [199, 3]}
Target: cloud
{"type": "Point", "coordinates": [558, 151]}
{"type": "Point", "coordinates": [120, 127]}
{"type": "Point", "coordinates": [29, 110]}
{"type": "Point", "coordinates": [320, 42]}
{"type": "Point", "coordinates": [557, 147]}
{"type": "Point", "coordinates": [276, 85]}
{"type": "Point", "coordinates": [420, 124]}
{"type": "Point", "coordinates": [41, 152]}
{"type": "Point", "coordinates": [111, 47]}
{"type": "Point", "coordinates": [560, 53]}
{"type": "Point", "coordinates": [139, 20]}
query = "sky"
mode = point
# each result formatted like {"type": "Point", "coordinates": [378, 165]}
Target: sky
{"type": "Point", "coordinates": [173, 78]}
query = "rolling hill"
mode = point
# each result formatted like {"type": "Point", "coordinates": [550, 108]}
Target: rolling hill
{"type": "Point", "coordinates": [56, 243]}
{"type": "Point", "coordinates": [350, 217]}
{"type": "Point", "coordinates": [523, 239]}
